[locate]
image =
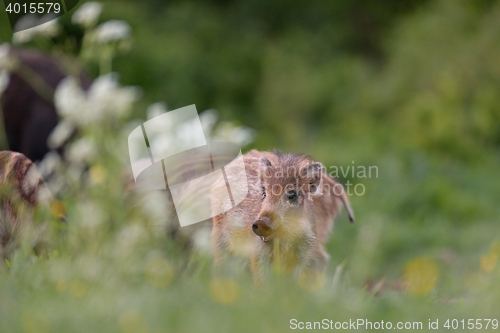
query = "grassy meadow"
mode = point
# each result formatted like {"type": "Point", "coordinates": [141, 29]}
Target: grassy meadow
{"type": "Point", "coordinates": [412, 89]}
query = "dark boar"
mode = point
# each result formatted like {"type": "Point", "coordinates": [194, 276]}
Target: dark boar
{"type": "Point", "coordinates": [29, 117]}
{"type": "Point", "coordinates": [21, 190]}
{"type": "Point", "coordinates": [286, 217]}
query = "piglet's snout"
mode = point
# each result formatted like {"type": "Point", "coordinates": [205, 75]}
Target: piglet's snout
{"type": "Point", "coordinates": [262, 227]}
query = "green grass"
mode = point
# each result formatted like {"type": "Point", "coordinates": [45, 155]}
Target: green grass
{"type": "Point", "coordinates": [425, 245]}
{"type": "Point", "coordinates": [123, 275]}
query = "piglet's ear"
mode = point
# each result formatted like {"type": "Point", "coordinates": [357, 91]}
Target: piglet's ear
{"type": "Point", "coordinates": [312, 173]}
{"type": "Point", "coordinates": [265, 165]}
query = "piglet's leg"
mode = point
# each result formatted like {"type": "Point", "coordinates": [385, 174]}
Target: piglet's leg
{"type": "Point", "coordinates": [313, 276]}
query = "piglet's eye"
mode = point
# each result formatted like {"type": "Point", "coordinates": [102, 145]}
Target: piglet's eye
{"type": "Point", "coordinates": [292, 196]}
{"type": "Point", "coordinates": [263, 192]}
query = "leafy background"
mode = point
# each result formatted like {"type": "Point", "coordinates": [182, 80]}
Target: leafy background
{"type": "Point", "coordinates": [411, 87]}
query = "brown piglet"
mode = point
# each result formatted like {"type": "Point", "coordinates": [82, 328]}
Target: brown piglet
{"type": "Point", "coordinates": [285, 219]}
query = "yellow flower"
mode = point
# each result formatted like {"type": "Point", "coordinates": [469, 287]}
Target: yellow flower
{"type": "Point", "coordinates": [61, 286]}
{"type": "Point", "coordinates": [311, 280]}
{"type": "Point", "coordinates": [421, 275]}
{"type": "Point", "coordinates": [488, 262]}
{"type": "Point", "coordinates": [133, 322]}
{"type": "Point", "coordinates": [78, 289]}
{"type": "Point", "coordinates": [35, 322]}
{"type": "Point", "coordinates": [223, 290]}
{"type": "Point", "coordinates": [97, 174]}
{"type": "Point", "coordinates": [57, 208]}
{"type": "Point", "coordinates": [495, 248]}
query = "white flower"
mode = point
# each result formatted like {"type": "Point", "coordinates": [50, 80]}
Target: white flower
{"type": "Point", "coordinates": [240, 135]}
{"type": "Point", "coordinates": [225, 131]}
{"type": "Point", "coordinates": [56, 183]}
{"type": "Point", "coordinates": [22, 37]}
{"type": "Point", "coordinates": [155, 205]}
{"type": "Point", "coordinates": [81, 151]}
{"type": "Point", "coordinates": [129, 238]}
{"type": "Point", "coordinates": [60, 134]}
{"type": "Point", "coordinates": [29, 27]}
{"type": "Point", "coordinates": [208, 118]}
{"type": "Point", "coordinates": [6, 63]}
{"type": "Point", "coordinates": [201, 239]}
{"type": "Point", "coordinates": [49, 29]}
{"type": "Point", "coordinates": [4, 55]}
{"type": "Point", "coordinates": [156, 109]}
{"type": "Point", "coordinates": [73, 174]}
{"type": "Point", "coordinates": [49, 164]}
{"type": "Point", "coordinates": [113, 30]}
{"type": "Point", "coordinates": [88, 14]}
{"type": "Point", "coordinates": [91, 214]}
{"type": "Point", "coordinates": [104, 99]}
{"type": "Point", "coordinates": [25, 23]}
{"type": "Point", "coordinates": [70, 100]}
{"type": "Point", "coordinates": [4, 80]}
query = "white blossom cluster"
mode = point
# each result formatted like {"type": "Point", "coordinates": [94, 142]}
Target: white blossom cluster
{"type": "Point", "coordinates": [107, 32]}
{"type": "Point", "coordinates": [225, 131]}
{"type": "Point", "coordinates": [112, 31]}
{"type": "Point", "coordinates": [105, 99]}
{"type": "Point", "coordinates": [87, 14]}
{"type": "Point", "coordinates": [5, 66]}
{"type": "Point", "coordinates": [48, 29]}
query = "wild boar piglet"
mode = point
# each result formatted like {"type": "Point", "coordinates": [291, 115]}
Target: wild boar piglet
{"type": "Point", "coordinates": [286, 217]}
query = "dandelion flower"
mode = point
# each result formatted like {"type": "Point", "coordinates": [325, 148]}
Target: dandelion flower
{"type": "Point", "coordinates": [133, 322]}
{"type": "Point", "coordinates": [97, 174]}
{"type": "Point", "coordinates": [488, 262]}
{"type": "Point", "coordinates": [421, 274]}
{"type": "Point", "coordinates": [224, 290]}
